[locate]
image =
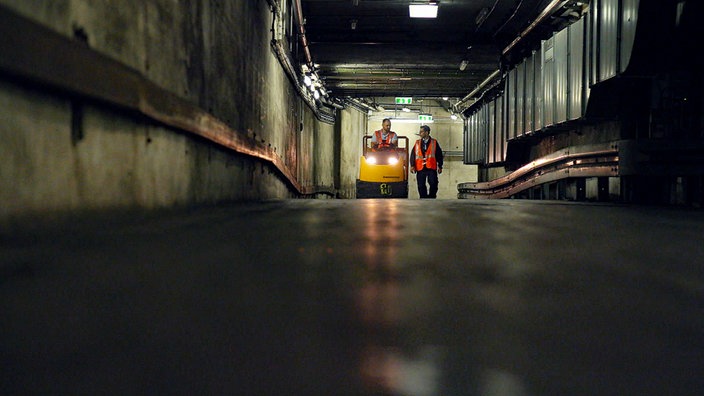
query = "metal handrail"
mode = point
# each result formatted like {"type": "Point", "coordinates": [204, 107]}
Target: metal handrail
{"type": "Point", "coordinates": [584, 161]}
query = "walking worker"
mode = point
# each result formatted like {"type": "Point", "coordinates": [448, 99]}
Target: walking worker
{"type": "Point", "coordinates": [426, 161]}
{"type": "Point", "coordinates": [384, 138]}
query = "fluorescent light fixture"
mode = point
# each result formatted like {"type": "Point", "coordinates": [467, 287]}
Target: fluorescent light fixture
{"type": "Point", "coordinates": [406, 109]}
{"type": "Point", "coordinates": [423, 10]}
{"type": "Point", "coordinates": [454, 117]}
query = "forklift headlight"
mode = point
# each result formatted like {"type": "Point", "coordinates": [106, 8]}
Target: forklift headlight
{"type": "Point", "coordinates": [393, 160]}
{"type": "Point", "coordinates": [371, 160]}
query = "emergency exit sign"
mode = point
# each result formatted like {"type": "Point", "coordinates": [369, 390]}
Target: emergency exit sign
{"type": "Point", "coordinates": [425, 117]}
{"type": "Point", "coordinates": [404, 100]}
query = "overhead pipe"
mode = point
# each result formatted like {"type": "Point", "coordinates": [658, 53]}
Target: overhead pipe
{"type": "Point", "coordinates": [547, 11]}
{"type": "Point", "coordinates": [479, 87]}
{"type": "Point", "coordinates": [302, 33]}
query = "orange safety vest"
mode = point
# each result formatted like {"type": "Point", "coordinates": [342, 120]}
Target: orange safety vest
{"type": "Point", "coordinates": [428, 160]}
{"type": "Point", "coordinates": [381, 142]}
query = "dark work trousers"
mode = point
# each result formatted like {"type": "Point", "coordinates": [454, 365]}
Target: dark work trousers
{"type": "Point", "coordinates": [431, 177]}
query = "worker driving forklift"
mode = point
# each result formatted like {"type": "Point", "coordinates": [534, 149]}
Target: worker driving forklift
{"type": "Point", "coordinates": [384, 165]}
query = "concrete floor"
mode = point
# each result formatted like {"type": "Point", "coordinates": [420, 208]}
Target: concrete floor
{"type": "Point", "coordinates": [358, 297]}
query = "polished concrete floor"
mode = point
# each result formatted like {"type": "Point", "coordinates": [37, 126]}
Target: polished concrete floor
{"type": "Point", "coordinates": [366, 297]}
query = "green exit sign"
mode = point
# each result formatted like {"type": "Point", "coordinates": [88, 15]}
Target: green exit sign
{"type": "Point", "coordinates": [425, 117]}
{"type": "Point", "coordinates": [404, 100]}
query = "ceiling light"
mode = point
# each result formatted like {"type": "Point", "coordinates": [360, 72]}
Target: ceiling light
{"type": "Point", "coordinates": [423, 10]}
{"type": "Point", "coordinates": [453, 116]}
{"type": "Point", "coordinates": [406, 109]}
{"type": "Point", "coordinates": [307, 80]}
{"type": "Point", "coordinates": [463, 64]}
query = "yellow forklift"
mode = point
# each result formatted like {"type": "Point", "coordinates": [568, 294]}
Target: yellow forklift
{"type": "Point", "coordinates": [383, 173]}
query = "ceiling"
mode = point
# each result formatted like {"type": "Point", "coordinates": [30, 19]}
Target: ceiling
{"type": "Point", "coordinates": [372, 48]}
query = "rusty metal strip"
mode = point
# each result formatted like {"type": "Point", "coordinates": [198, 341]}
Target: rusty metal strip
{"type": "Point", "coordinates": [37, 55]}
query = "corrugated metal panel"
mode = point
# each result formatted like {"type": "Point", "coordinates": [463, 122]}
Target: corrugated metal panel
{"type": "Point", "coordinates": [520, 98]}
{"type": "Point", "coordinates": [576, 70]}
{"type": "Point", "coordinates": [511, 111]}
{"type": "Point", "coordinates": [499, 126]}
{"type": "Point", "coordinates": [490, 124]}
{"type": "Point", "coordinates": [607, 32]}
{"type": "Point", "coordinates": [629, 21]}
{"type": "Point", "coordinates": [592, 68]}
{"type": "Point", "coordinates": [475, 140]}
{"type": "Point", "coordinates": [561, 75]}
{"type": "Point", "coordinates": [528, 123]}
{"type": "Point", "coordinates": [482, 136]}
{"type": "Point", "coordinates": [538, 102]}
{"type": "Point", "coordinates": [553, 85]}
{"type": "Point", "coordinates": [467, 145]}
{"type": "Point", "coordinates": [469, 141]}
{"type": "Point", "coordinates": [483, 129]}
{"type": "Point", "coordinates": [548, 77]}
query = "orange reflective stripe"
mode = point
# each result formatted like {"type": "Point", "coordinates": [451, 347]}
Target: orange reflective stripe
{"type": "Point", "coordinates": [428, 160]}
{"type": "Point", "coordinates": [381, 141]}
{"type": "Point", "coordinates": [419, 155]}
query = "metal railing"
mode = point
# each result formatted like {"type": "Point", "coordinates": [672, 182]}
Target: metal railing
{"type": "Point", "coordinates": [574, 162]}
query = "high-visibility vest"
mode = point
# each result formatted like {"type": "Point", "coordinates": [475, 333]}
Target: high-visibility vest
{"type": "Point", "coordinates": [428, 160]}
{"type": "Point", "coordinates": [382, 143]}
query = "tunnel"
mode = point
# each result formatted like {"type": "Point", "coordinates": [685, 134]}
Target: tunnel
{"type": "Point", "coordinates": [185, 206]}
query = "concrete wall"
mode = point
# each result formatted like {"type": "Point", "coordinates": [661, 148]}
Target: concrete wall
{"type": "Point", "coordinates": [317, 138]}
{"type": "Point", "coordinates": [352, 125]}
{"type": "Point", "coordinates": [116, 163]}
{"type": "Point", "coordinates": [215, 54]}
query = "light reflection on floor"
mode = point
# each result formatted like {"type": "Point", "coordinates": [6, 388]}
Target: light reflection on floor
{"type": "Point", "coordinates": [373, 297]}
